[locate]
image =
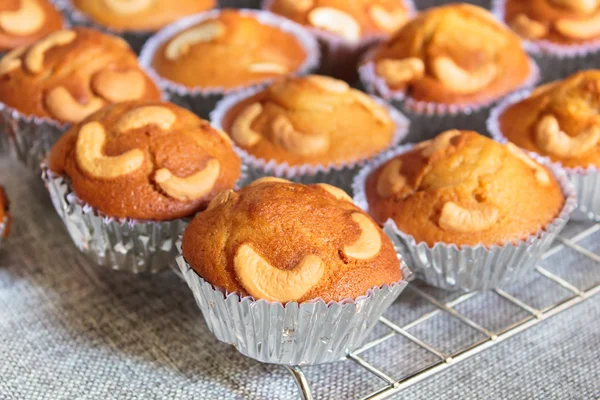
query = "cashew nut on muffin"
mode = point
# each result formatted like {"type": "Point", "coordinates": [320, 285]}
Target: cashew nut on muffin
{"type": "Point", "coordinates": [23, 22]}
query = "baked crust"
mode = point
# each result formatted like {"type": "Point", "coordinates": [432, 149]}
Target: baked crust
{"type": "Point", "coordinates": [23, 22]}
{"type": "Point", "coordinates": [5, 216]}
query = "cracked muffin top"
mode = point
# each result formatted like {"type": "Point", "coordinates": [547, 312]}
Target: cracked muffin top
{"type": "Point", "coordinates": [70, 74]}
{"type": "Point", "coordinates": [560, 120]}
{"type": "Point", "coordinates": [146, 160]}
{"type": "Point", "coordinates": [558, 21]}
{"type": "Point", "coordinates": [140, 15]}
{"type": "Point", "coordinates": [4, 214]}
{"type": "Point", "coordinates": [350, 20]}
{"type": "Point", "coordinates": [231, 50]}
{"type": "Point", "coordinates": [310, 120]}
{"type": "Point", "coordinates": [282, 241]}
{"type": "Point", "coordinates": [454, 54]}
{"type": "Point", "coordinates": [462, 188]}
{"type": "Point", "coordinates": [23, 22]}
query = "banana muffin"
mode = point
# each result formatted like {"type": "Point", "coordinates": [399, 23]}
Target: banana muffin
{"type": "Point", "coordinates": [281, 241]}
{"type": "Point", "coordinates": [464, 189]}
{"type": "Point", "coordinates": [23, 22]}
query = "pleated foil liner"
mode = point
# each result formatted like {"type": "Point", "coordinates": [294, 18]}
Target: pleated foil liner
{"type": "Point", "coordinates": [556, 61]}
{"type": "Point", "coordinates": [308, 333]}
{"type": "Point", "coordinates": [336, 175]}
{"type": "Point", "coordinates": [468, 268]}
{"type": "Point", "coordinates": [239, 3]}
{"type": "Point", "coordinates": [29, 137]}
{"type": "Point", "coordinates": [428, 119]}
{"type": "Point", "coordinates": [585, 180]}
{"type": "Point", "coordinates": [203, 100]}
{"type": "Point", "coordinates": [3, 226]}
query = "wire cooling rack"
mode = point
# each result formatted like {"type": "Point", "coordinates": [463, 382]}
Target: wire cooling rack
{"type": "Point", "coordinates": [568, 274]}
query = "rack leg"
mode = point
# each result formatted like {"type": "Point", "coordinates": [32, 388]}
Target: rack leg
{"type": "Point", "coordinates": [302, 383]}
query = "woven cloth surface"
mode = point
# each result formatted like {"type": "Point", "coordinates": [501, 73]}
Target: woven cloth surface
{"type": "Point", "coordinates": [70, 330]}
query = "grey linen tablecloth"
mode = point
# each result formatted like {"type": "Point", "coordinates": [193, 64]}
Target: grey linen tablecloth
{"type": "Point", "coordinates": [69, 330]}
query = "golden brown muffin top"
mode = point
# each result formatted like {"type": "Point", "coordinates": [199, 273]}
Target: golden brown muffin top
{"type": "Point", "coordinates": [283, 241]}
{"type": "Point", "coordinates": [454, 54]}
{"type": "Point", "coordinates": [146, 160]}
{"type": "Point", "coordinates": [558, 21]}
{"type": "Point", "coordinates": [4, 215]}
{"type": "Point", "coordinates": [348, 19]}
{"type": "Point", "coordinates": [462, 188]}
{"type": "Point", "coordinates": [140, 15]}
{"type": "Point", "coordinates": [231, 50]}
{"type": "Point", "coordinates": [310, 120]}
{"type": "Point", "coordinates": [23, 22]}
{"type": "Point", "coordinates": [70, 74]}
{"type": "Point", "coordinates": [560, 120]}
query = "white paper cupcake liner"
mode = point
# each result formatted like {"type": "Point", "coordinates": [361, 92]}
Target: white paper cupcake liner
{"type": "Point", "coordinates": [312, 332]}
{"type": "Point", "coordinates": [203, 100]}
{"type": "Point", "coordinates": [339, 175]}
{"type": "Point", "coordinates": [585, 180]}
{"type": "Point", "coordinates": [428, 119]}
{"type": "Point", "coordinates": [468, 268]}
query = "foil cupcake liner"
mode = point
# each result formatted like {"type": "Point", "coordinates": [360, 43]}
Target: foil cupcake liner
{"type": "Point", "coordinates": [239, 4]}
{"type": "Point", "coordinates": [339, 175]}
{"type": "Point", "coordinates": [203, 100]}
{"type": "Point", "coordinates": [312, 332]}
{"type": "Point", "coordinates": [3, 226]}
{"type": "Point", "coordinates": [556, 60]}
{"type": "Point", "coordinates": [468, 268]}
{"type": "Point", "coordinates": [585, 180]}
{"type": "Point", "coordinates": [428, 119]}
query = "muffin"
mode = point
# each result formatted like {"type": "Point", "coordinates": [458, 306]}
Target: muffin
{"type": "Point", "coordinates": [346, 28]}
{"type": "Point", "coordinates": [448, 64]}
{"type": "Point", "coordinates": [136, 20]}
{"type": "Point", "coordinates": [62, 79]}
{"type": "Point", "coordinates": [564, 35]}
{"type": "Point", "coordinates": [308, 129]}
{"type": "Point", "coordinates": [276, 243]}
{"type": "Point", "coordinates": [5, 218]}
{"type": "Point", "coordinates": [23, 22]}
{"type": "Point", "coordinates": [559, 120]}
{"type": "Point", "coordinates": [133, 171]}
{"type": "Point", "coordinates": [490, 209]}
{"type": "Point", "coordinates": [200, 58]}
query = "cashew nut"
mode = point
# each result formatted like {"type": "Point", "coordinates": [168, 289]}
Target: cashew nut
{"type": "Point", "coordinates": [181, 44]}
{"type": "Point", "coordinates": [459, 219]}
{"type": "Point", "coordinates": [380, 113]}
{"type": "Point", "coordinates": [391, 181]}
{"type": "Point", "coordinates": [241, 130]}
{"type": "Point", "coordinates": [29, 18]}
{"type": "Point", "coordinates": [541, 174]}
{"type": "Point", "coordinates": [335, 192]}
{"type": "Point", "coordinates": [224, 136]}
{"type": "Point", "coordinates": [335, 21]}
{"type": "Point", "coordinates": [139, 117]}
{"type": "Point", "coordinates": [400, 72]}
{"type": "Point", "coordinates": [544, 88]}
{"type": "Point", "coordinates": [191, 187]}
{"type": "Point", "coordinates": [268, 68]}
{"type": "Point", "coordinates": [460, 80]}
{"type": "Point", "coordinates": [34, 61]}
{"type": "Point", "coordinates": [264, 281]}
{"type": "Point", "coordinates": [328, 84]}
{"type": "Point", "coordinates": [528, 28]}
{"type": "Point", "coordinates": [12, 60]}
{"type": "Point", "coordinates": [90, 157]}
{"type": "Point", "coordinates": [579, 29]}
{"type": "Point", "coordinates": [118, 86]}
{"type": "Point", "coordinates": [64, 107]}
{"type": "Point", "coordinates": [286, 136]}
{"type": "Point", "coordinates": [551, 139]}
{"type": "Point", "coordinates": [128, 6]}
{"type": "Point", "coordinates": [222, 198]}
{"type": "Point", "coordinates": [268, 179]}
{"type": "Point", "coordinates": [388, 21]}
{"type": "Point", "coordinates": [440, 142]}
{"type": "Point", "coordinates": [582, 6]}
{"type": "Point", "coordinates": [369, 242]}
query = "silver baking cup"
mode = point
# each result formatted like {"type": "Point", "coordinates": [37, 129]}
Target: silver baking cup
{"type": "Point", "coordinates": [585, 180]}
{"type": "Point", "coordinates": [428, 119]}
{"type": "Point", "coordinates": [3, 226]}
{"type": "Point", "coordinates": [339, 175]}
{"type": "Point", "coordinates": [468, 268]}
{"type": "Point", "coordinates": [312, 332]}
{"type": "Point", "coordinates": [29, 137]}
{"type": "Point", "coordinates": [203, 100]}
{"type": "Point", "coordinates": [239, 3]}
{"type": "Point", "coordinates": [340, 57]}
{"type": "Point", "coordinates": [556, 60]}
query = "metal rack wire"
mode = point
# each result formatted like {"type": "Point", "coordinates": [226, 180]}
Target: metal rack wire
{"type": "Point", "coordinates": [575, 238]}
